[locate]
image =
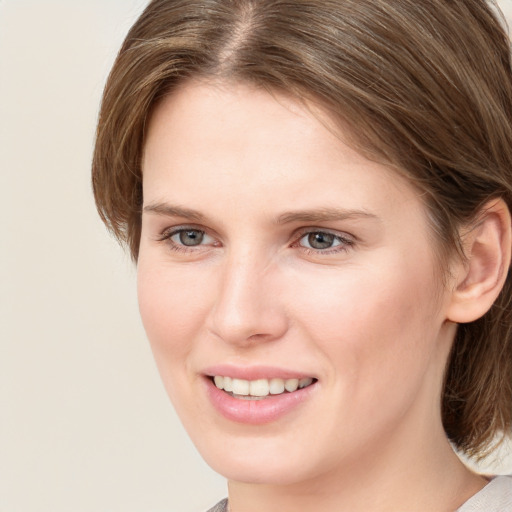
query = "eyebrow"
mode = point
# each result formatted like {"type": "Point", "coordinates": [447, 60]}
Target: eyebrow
{"type": "Point", "coordinates": [173, 211]}
{"type": "Point", "coordinates": [314, 215]}
{"type": "Point", "coordinates": [324, 214]}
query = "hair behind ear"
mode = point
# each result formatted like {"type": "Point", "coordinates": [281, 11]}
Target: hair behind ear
{"type": "Point", "coordinates": [477, 401]}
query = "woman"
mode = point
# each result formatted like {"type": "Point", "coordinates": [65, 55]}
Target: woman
{"type": "Point", "coordinates": [317, 195]}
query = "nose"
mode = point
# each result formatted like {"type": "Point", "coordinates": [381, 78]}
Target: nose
{"type": "Point", "coordinates": [248, 306]}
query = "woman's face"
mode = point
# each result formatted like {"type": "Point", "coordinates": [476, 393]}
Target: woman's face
{"type": "Point", "coordinates": [272, 255]}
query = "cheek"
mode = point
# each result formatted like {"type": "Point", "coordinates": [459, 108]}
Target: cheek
{"type": "Point", "coordinates": [365, 301]}
{"type": "Point", "coordinates": [376, 322]}
{"type": "Point", "coordinates": [378, 333]}
{"type": "Point", "coordinates": [172, 308]}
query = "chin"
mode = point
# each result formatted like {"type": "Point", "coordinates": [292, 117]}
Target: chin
{"type": "Point", "coordinates": [258, 471]}
{"type": "Point", "coordinates": [264, 460]}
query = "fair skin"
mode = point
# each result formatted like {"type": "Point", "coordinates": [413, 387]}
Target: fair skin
{"type": "Point", "coordinates": [270, 249]}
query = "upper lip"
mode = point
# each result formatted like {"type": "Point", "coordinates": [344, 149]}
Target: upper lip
{"type": "Point", "coordinates": [254, 372]}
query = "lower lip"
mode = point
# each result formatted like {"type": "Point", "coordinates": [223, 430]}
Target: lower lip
{"type": "Point", "coordinates": [256, 412]}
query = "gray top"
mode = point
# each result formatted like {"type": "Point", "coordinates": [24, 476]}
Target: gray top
{"type": "Point", "coordinates": [222, 506]}
{"type": "Point", "coordinates": [496, 496]}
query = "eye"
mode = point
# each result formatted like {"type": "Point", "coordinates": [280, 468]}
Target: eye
{"type": "Point", "coordinates": [323, 241]}
{"type": "Point", "coordinates": [188, 237]}
{"type": "Point", "coordinates": [319, 240]}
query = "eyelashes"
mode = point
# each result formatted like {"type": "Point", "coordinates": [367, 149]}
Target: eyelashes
{"type": "Point", "coordinates": [191, 239]}
{"type": "Point", "coordinates": [323, 242]}
{"type": "Point", "coordinates": [187, 239]}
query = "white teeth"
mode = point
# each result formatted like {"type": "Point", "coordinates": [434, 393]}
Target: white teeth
{"type": "Point", "coordinates": [240, 387]}
{"type": "Point", "coordinates": [260, 387]}
{"type": "Point", "coordinates": [291, 385]}
{"type": "Point", "coordinates": [276, 386]}
{"type": "Point", "coordinates": [305, 382]}
{"type": "Point", "coordinates": [228, 384]}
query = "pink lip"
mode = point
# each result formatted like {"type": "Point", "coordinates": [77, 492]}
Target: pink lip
{"type": "Point", "coordinates": [253, 372]}
{"type": "Point", "coordinates": [256, 412]}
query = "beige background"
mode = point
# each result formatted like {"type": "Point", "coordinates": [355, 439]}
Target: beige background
{"type": "Point", "coordinates": [84, 422]}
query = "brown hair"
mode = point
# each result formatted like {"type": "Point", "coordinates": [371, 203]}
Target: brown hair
{"type": "Point", "coordinates": [424, 86]}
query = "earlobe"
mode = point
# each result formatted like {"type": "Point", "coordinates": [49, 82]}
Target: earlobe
{"type": "Point", "coordinates": [480, 278]}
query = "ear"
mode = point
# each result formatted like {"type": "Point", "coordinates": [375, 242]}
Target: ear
{"type": "Point", "coordinates": [479, 279]}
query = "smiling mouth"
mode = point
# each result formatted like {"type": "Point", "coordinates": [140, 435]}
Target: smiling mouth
{"type": "Point", "coordinates": [261, 388]}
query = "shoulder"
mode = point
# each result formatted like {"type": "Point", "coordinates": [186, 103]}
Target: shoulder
{"type": "Point", "coordinates": [222, 506]}
{"type": "Point", "coordinates": [496, 496]}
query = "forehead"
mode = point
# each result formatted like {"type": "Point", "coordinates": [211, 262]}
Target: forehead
{"type": "Point", "coordinates": [238, 143]}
